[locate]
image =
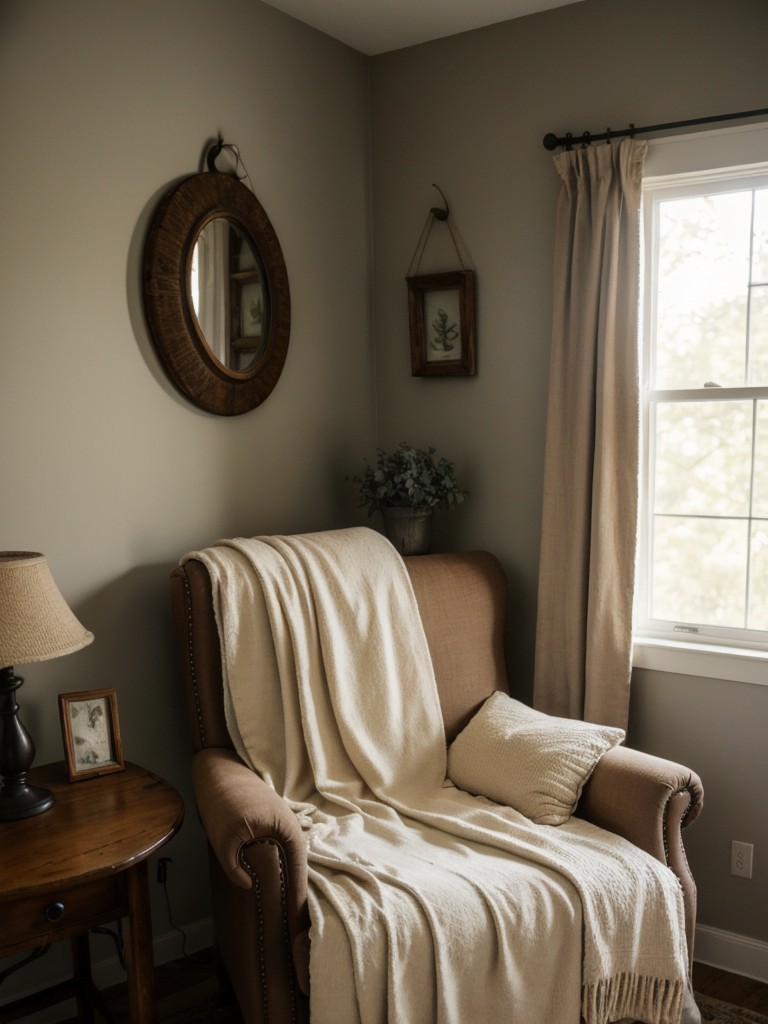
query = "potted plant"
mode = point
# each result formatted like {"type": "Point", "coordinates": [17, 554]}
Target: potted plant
{"type": "Point", "coordinates": [407, 486]}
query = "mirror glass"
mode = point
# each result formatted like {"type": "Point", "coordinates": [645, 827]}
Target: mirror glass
{"type": "Point", "coordinates": [227, 293]}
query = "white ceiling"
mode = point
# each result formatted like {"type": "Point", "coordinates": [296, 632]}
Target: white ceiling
{"type": "Point", "coordinates": [377, 26]}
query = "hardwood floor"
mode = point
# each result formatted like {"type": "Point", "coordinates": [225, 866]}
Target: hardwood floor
{"type": "Point", "coordinates": [188, 990]}
{"type": "Point", "coordinates": [731, 988]}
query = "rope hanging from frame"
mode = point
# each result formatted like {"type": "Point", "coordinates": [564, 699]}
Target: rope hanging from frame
{"type": "Point", "coordinates": [435, 213]}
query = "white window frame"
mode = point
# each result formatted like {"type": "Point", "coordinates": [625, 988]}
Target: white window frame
{"type": "Point", "coordinates": [676, 166]}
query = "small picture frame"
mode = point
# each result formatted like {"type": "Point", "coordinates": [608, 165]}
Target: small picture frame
{"type": "Point", "coordinates": [91, 733]}
{"type": "Point", "coordinates": [441, 313]}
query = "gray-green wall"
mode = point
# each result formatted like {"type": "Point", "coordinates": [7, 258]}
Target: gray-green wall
{"type": "Point", "coordinates": [104, 103]}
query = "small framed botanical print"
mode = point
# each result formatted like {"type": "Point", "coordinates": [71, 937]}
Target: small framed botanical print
{"type": "Point", "coordinates": [91, 733]}
{"type": "Point", "coordinates": [441, 314]}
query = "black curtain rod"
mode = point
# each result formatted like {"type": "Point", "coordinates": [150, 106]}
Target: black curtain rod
{"type": "Point", "coordinates": [552, 141]}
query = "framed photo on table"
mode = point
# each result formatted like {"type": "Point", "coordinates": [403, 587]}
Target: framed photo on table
{"type": "Point", "coordinates": [441, 315]}
{"type": "Point", "coordinates": [91, 733]}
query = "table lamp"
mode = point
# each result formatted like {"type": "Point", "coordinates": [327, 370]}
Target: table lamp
{"type": "Point", "coordinates": [36, 624]}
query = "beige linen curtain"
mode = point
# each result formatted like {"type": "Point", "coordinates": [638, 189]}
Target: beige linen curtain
{"type": "Point", "coordinates": [589, 519]}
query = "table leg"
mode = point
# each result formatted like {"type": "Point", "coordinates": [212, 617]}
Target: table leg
{"type": "Point", "coordinates": [141, 964]}
{"type": "Point", "coordinates": [81, 965]}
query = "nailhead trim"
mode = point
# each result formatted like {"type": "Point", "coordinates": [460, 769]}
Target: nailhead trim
{"type": "Point", "coordinates": [191, 659]}
{"type": "Point", "coordinates": [286, 939]}
{"type": "Point", "coordinates": [683, 819]}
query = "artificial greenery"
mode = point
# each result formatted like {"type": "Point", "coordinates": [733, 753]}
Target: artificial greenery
{"type": "Point", "coordinates": [408, 478]}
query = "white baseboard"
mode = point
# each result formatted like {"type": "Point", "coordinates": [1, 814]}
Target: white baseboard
{"type": "Point", "coordinates": [738, 954]}
{"type": "Point", "coordinates": [108, 972]}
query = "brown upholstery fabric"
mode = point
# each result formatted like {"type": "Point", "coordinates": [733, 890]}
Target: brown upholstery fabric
{"type": "Point", "coordinates": [253, 947]}
{"type": "Point", "coordinates": [197, 639]}
{"type": "Point", "coordinates": [462, 600]}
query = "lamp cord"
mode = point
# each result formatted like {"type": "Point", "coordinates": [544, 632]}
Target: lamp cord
{"type": "Point", "coordinates": [162, 877]}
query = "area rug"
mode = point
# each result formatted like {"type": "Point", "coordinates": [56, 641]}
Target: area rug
{"type": "Point", "coordinates": [714, 1011]}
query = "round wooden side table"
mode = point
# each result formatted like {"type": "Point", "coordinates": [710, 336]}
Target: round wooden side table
{"type": "Point", "coordinates": [81, 865]}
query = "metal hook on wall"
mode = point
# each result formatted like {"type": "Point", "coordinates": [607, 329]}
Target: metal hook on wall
{"type": "Point", "coordinates": [436, 211]}
{"type": "Point", "coordinates": [214, 152]}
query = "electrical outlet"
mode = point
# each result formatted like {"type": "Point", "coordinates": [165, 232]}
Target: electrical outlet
{"type": "Point", "coordinates": [162, 869]}
{"type": "Point", "coordinates": [741, 859]}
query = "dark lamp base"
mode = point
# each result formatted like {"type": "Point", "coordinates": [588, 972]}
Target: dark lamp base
{"type": "Point", "coordinates": [24, 801]}
{"type": "Point", "coordinates": [17, 751]}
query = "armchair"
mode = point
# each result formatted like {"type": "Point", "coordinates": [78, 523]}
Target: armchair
{"type": "Point", "coordinates": [257, 852]}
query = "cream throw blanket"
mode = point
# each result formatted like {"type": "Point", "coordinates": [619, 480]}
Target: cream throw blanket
{"type": "Point", "coordinates": [427, 904]}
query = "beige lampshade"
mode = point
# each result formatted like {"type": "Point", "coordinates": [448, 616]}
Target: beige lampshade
{"type": "Point", "coordinates": [36, 622]}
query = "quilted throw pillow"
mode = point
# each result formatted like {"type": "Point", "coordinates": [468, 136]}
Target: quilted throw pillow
{"type": "Point", "coordinates": [525, 759]}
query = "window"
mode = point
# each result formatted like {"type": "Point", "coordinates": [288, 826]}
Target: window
{"type": "Point", "coordinates": [703, 563]}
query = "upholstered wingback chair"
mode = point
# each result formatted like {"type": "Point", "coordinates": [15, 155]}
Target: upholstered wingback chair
{"type": "Point", "coordinates": [257, 851]}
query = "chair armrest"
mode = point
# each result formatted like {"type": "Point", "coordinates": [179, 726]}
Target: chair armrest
{"type": "Point", "coordinates": [648, 801]}
{"type": "Point", "coordinates": [239, 810]}
{"type": "Point", "coordinates": [256, 845]}
{"type": "Point", "coordinates": [641, 797]}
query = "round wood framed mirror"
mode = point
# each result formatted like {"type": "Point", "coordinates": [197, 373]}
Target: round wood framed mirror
{"type": "Point", "coordinates": [216, 294]}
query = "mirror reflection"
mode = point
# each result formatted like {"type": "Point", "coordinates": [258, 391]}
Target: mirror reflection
{"type": "Point", "coordinates": [228, 294]}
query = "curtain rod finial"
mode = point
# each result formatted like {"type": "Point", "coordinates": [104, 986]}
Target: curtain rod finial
{"type": "Point", "coordinates": [551, 141]}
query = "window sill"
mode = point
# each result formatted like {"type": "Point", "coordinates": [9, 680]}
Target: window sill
{"type": "Point", "coordinates": [734, 664]}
